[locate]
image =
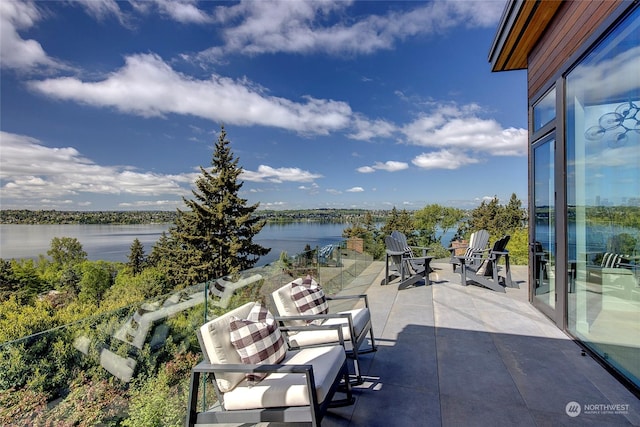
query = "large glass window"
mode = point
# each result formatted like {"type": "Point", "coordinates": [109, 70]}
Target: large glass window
{"type": "Point", "coordinates": [603, 198]}
{"type": "Point", "coordinates": [545, 110]}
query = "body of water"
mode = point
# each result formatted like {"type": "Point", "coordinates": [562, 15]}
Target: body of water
{"type": "Point", "coordinates": [113, 242]}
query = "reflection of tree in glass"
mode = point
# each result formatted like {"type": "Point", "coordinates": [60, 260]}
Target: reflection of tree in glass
{"type": "Point", "coordinates": [613, 127]}
{"type": "Point", "coordinates": [623, 243]}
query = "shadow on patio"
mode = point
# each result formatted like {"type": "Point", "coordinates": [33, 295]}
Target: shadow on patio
{"type": "Point", "coordinates": [467, 356]}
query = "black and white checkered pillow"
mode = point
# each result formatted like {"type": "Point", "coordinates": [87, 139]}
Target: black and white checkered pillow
{"type": "Point", "coordinates": [257, 339]}
{"type": "Point", "coordinates": [308, 281]}
{"type": "Point", "coordinates": [309, 300]}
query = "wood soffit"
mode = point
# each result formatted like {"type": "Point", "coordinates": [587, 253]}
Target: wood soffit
{"type": "Point", "coordinates": [523, 23]}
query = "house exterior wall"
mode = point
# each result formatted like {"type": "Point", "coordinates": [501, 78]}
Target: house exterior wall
{"type": "Point", "coordinates": [584, 63]}
{"type": "Point", "coordinates": [572, 25]}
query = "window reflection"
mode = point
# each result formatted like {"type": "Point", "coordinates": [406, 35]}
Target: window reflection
{"type": "Point", "coordinates": [545, 110]}
{"type": "Point", "coordinates": [603, 194]}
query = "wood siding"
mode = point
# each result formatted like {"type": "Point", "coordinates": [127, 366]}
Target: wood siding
{"type": "Point", "coordinates": [573, 23]}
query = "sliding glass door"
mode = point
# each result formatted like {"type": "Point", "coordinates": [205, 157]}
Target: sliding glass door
{"type": "Point", "coordinates": [544, 244]}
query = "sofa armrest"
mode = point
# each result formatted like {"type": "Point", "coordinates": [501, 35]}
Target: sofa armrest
{"type": "Point", "coordinates": [344, 297]}
{"type": "Point", "coordinates": [283, 327]}
{"type": "Point", "coordinates": [336, 328]}
{"type": "Point", "coordinates": [206, 367]}
{"type": "Point", "coordinates": [282, 319]}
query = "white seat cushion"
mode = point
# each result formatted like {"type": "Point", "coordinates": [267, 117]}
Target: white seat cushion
{"type": "Point", "coordinates": [360, 319]}
{"type": "Point", "coordinates": [290, 389]}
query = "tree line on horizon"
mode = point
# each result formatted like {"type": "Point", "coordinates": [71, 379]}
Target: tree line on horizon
{"type": "Point", "coordinates": [27, 216]}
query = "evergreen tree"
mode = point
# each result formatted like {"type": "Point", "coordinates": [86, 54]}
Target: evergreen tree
{"type": "Point", "coordinates": [513, 215]}
{"type": "Point", "coordinates": [498, 220]}
{"type": "Point", "coordinates": [9, 284]}
{"type": "Point", "coordinates": [391, 223]}
{"type": "Point", "coordinates": [399, 221]}
{"type": "Point", "coordinates": [369, 223]}
{"type": "Point", "coordinates": [137, 259]}
{"type": "Point", "coordinates": [159, 250]}
{"type": "Point", "coordinates": [355, 230]}
{"type": "Point", "coordinates": [485, 217]}
{"type": "Point", "coordinates": [372, 242]}
{"type": "Point", "coordinates": [215, 236]}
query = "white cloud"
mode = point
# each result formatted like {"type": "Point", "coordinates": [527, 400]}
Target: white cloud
{"type": "Point", "coordinates": [313, 187]}
{"type": "Point", "coordinates": [623, 157]}
{"type": "Point", "coordinates": [278, 175]}
{"type": "Point", "coordinates": [183, 11]}
{"type": "Point", "coordinates": [355, 190]}
{"type": "Point", "coordinates": [365, 129]}
{"type": "Point", "coordinates": [389, 166]}
{"type": "Point", "coordinates": [16, 52]}
{"type": "Point", "coordinates": [157, 204]}
{"type": "Point", "coordinates": [259, 27]}
{"type": "Point", "coordinates": [31, 171]}
{"type": "Point", "coordinates": [452, 127]}
{"type": "Point", "coordinates": [444, 159]}
{"type": "Point", "coordinates": [148, 86]}
{"type": "Point", "coordinates": [366, 169]}
{"type": "Point", "coordinates": [607, 79]}
{"type": "Point", "coordinates": [272, 205]}
{"type": "Point", "coordinates": [103, 9]}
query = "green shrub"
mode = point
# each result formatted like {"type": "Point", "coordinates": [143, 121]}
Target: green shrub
{"type": "Point", "coordinates": [161, 400]}
{"type": "Point", "coordinates": [519, 247]}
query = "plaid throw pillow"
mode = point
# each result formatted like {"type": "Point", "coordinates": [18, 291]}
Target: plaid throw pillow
{"type": "Point", "coordinates": [257, 340]}
{"type": "Point", "coordinates": [308, 281]}
{"type": "Point", "coordinates": [309, 300]}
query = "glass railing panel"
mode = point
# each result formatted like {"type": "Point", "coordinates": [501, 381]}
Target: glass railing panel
{"type": "Point", "coordinates": [132, 364]}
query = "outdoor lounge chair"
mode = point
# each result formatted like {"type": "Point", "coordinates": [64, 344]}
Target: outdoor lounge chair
{"type": "Point", "coordinates": [294, 386]}
{"type": "Point", "coordinates": [400, 237]}
{"type": "Point", "coordinates": [486, 274]}
{"type": "Point", "coordinates": [400, 262]}
{"type": "Point", "coordinates": [355, 323]}
{"type": "Point", "coordinates": [622, 281]}
{"type": "Point", "coordinates": [473, 251]}
{"type": "Point", "coordinates": [324, 254]}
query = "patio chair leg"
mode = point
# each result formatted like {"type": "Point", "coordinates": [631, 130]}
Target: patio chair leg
{"type": "Point", "coordinates": [345, 386]}
{"type": "Point", "coordinates": [357, 378]}
{"type": "Point", "coordinates": [373, 342]}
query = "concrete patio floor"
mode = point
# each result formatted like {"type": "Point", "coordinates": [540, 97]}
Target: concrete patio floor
{"type": "Point", "coordinates": [450, 355]}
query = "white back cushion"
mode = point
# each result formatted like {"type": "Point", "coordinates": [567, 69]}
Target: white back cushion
{"type": "Point", "coordinates": [216, 338]}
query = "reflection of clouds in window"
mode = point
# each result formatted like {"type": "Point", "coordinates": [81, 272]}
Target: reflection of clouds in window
{"type": "Point", "coordinates": [545, 110]}
{"type": "Point", "coordinates": [614, 78]}
{"type": "Point", "coordinates": [548, 101]}
{"type": "Point", "coordinates": [621, 157]}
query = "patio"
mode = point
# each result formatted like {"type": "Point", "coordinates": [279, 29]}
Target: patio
{"type": "Point", "coordinates": [467, 356]}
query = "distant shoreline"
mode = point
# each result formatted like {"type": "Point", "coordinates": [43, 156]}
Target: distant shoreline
{"type": "Point", "coordinates": [55, 217]}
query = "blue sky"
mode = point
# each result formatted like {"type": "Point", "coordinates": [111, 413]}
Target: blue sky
{"type": "Point", "coordinates": [334, 104]}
